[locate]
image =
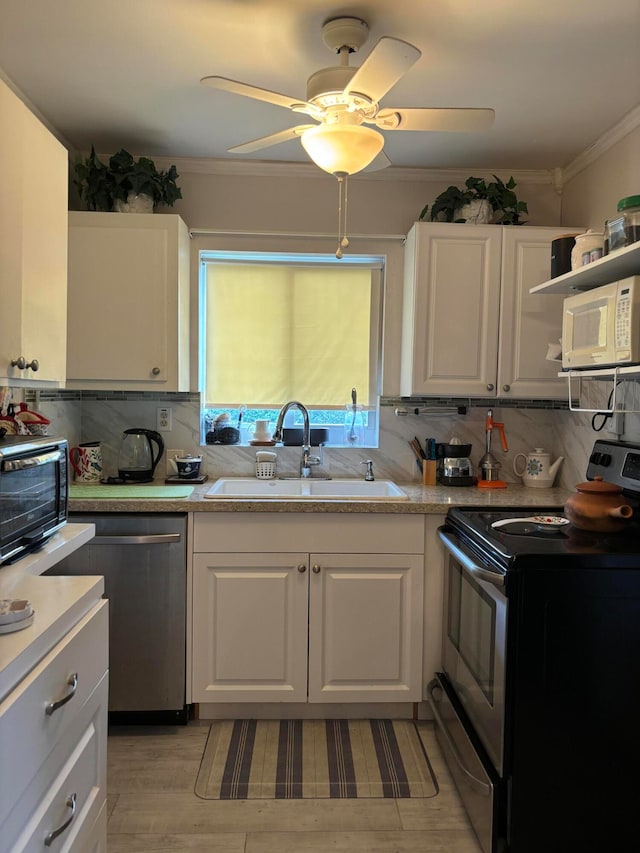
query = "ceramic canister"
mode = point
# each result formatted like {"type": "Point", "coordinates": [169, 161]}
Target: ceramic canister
{"type": "Point", "coordinates": [561, 254]}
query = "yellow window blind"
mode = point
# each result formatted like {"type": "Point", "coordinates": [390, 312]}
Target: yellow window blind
{"type": "Point", "coordinates": [276, 333]}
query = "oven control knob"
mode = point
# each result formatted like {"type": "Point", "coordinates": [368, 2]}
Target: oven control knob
{"type": "Point", "coordinates": [605, 459]}
{"type": "Point", "coordinates": [596, 458]}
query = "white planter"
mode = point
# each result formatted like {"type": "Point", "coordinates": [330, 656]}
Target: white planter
{"type": "Point", "coordinates": [477, 212]}
{"type": "Point", "coordinates": [134, 204]}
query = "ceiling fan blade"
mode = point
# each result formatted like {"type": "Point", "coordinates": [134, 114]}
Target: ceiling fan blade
{"type": "Point", "coordinates": [424, 118]}
{"type": "Point", "coordinates": [272, 139]}
{"type": "Point", "coordinates": [248, 91]}
{"type": "Point", "coordinates": [380, 161]}
{"type": "Point", "coordinates": [389, 60]}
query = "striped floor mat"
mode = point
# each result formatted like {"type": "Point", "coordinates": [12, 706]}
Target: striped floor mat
{"type": "Point", "coordinates": [300, 759]}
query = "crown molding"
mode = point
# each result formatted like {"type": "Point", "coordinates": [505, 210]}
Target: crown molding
{"type": "Point", "coordinates": [612, 136]}
{"type": "Point", "coordinates": [273, 168]}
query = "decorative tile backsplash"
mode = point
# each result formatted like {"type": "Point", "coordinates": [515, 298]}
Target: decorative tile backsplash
{"type": "Point", "coordinates": [91, 416]}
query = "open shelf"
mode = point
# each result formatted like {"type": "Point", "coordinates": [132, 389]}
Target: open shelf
{"type": "Point", "coordinates": [619, 264]}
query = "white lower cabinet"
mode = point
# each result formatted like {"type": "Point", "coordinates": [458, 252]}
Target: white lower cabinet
{"type": "Point", "coordinates": [250, 615]}
{"type": "Point", "coordinates": [365, 627]}
{"type": "Point", "coordinates": [307, 625]}
{"type": "Point", "coordinates": [53, 769]}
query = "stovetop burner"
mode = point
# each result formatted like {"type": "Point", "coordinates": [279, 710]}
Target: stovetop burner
{"type": "Point", "coordinates": [521, 542]}
{"type": "Point", "coordinates": [505, 538]}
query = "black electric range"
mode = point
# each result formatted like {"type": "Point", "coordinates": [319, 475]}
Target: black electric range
{"type": "Point", "coordinates": [537, 703]}
{"type": "Point", "coordinates": [505, 544]}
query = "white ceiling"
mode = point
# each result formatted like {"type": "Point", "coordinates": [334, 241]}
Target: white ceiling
{"type": "Point", "coordinates": [125, 73]}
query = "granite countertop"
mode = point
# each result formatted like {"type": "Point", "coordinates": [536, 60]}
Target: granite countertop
{"type": "Point", "coordinates": [430, 500]}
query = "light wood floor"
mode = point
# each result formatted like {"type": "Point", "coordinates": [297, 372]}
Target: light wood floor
{"type": "Point", "coordinates": [152, 808]}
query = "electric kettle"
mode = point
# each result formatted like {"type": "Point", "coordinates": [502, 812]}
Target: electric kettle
{"type": "Point", "coordinates": [137, 462]}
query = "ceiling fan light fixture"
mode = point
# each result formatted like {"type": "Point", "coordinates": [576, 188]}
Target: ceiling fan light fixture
{"type": "Point", "coordinates": [344, 149]}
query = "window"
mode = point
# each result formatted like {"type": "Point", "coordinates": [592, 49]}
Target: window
{"type": "Point", "coordinates": [290, 327]}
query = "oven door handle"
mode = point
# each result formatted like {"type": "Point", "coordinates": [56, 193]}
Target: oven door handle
{"type": "Point", "coordinates": [478, 784]}
{"type": "Point", "coordinates": [465, 560]}
{"type": "Point", "coordinates": [31, 461]}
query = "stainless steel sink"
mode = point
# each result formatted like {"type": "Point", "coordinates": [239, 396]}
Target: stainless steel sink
{"type": "Point", "coordinates": [310, 490]}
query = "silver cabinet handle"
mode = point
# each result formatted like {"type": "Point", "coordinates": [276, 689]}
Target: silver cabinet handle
{"type": "Point", "coordinates": [22, 364]}
{"type": "Point", "coordinates": [302, 568]}
{"type": "Point", "coordinates": [316, 569]}
{"type": "Point", "coordinates": [506, 387]}
{"type": "Point", "coordinates": [150, 539]}
{"type": "Point", "coordinates": [155, 371]}
{"type": "Point", "coordinates": [51, 837]}
{"type": "Point", "coordinates": [72, 681]}
{"type": "Point", "coordinates": [490, 387]}
{"type": "Point", "coordinates": [475, 782]}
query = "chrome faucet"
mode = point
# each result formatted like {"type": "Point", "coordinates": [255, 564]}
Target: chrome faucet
{"type": "Point", "coordinates": [307, 460]}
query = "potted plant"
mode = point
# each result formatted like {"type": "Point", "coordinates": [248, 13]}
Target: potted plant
{"type": "Point", "coordinates": [125, 185]}
{"type": "Point", "coordinates": [447, 205]}
{"type": "Point", "coordinates": [480, 202]}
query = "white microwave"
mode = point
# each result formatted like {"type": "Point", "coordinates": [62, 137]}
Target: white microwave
{"type": "Point", "coordinates": [601, 327]}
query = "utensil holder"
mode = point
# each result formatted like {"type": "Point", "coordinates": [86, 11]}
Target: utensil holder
{"type": "Point", "coordinates": [429, 472]}
{"type": "Point", "coordinates": [265, 470]}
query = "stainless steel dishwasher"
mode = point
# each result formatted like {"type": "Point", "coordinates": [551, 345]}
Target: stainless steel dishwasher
{"type": "Point", "coordinates": [143, 559]}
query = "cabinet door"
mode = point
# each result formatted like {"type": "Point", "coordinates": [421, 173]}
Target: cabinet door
{"type": "Point", "coordinates": [128, 301]}
{"type": "Point", "coordinates": [250, 615]}
{"type": "Point", "coordinates": [365, 628]}
{"type": "Point", "coordinates": [450, 310]}
{"type": "Point", "coordinates": [528, 322]}
{"type": "Point", "coordinates": [33, 247]}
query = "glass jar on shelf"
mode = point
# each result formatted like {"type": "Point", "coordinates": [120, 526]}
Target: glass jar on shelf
{"type": "Point", "coordinates": [624, 229]}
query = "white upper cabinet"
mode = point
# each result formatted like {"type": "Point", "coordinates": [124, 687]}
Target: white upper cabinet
{"type": "Point", "coordinates": [528, 323]}
{"type": "Point", "coordinates": [128, 302]}
{"type": "Point", "coordinates": [470, 325]}
{"type": "Point", "coordinates": [450, 309]}
{"type": "Point", "coordinates": [33, 248]}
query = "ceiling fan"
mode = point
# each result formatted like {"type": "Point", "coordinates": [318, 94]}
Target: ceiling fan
{"type": "Point", "coordinates": [342, 99]}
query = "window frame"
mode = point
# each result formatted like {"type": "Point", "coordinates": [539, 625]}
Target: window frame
{"type": "Point", "coordinates": [375, 263]}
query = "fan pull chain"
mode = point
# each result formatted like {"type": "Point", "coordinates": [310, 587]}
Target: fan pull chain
{"type": "Point", "coordinates": [343, 242]}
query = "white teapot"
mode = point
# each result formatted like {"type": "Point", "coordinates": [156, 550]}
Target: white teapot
{"type": "Point", "coordinates": [538, 471]}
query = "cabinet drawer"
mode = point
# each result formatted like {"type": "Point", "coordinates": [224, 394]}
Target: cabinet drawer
{"type": "Point", "coordinates": [28, 733]}
{"type": "Point", "coordinates": [69, 790]}
{"type": "Point", "coordinates": [348, 532]}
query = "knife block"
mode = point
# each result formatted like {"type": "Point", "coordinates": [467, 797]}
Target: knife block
{"type": "Point", "coordinates": [429, 472]}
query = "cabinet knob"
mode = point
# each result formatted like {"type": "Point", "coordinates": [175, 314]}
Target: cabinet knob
{"type": "Point", "coordinates": [506, 387]}
{"type": "Point", "coordinates": [155, 371]}
{"type": "Point", "coordinates": [22, 364]}
{"type": "Point", "coordinates": [316, 569]}
{"type": "Point", "coordinates": [302, 568]}
{"type": "Point", "coordinates": [490, 387]}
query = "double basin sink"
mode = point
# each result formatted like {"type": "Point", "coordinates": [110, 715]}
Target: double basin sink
{"type": "Point", "coordinates": [308, 489]}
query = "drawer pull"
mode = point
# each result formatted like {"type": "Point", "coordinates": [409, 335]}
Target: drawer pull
{"type": "Point", "coordinates": [72, 681]}
{"type": "Point", "coordinates": [51, 837]}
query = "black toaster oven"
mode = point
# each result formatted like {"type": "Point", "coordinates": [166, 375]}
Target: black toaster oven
{"type": "Point", "coordinates": [34, 492]}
